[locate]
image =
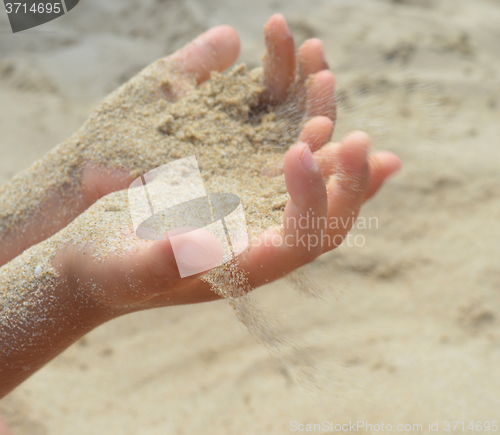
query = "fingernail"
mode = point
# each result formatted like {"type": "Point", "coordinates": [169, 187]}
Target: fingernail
{"type": "Point", "coordinates": [307, 160]}
{"type": "Point", "coordinates": [323, 58]}
{"type": "Point", "coordinates": [322, 51]}
{"type": "Point", "coordinates": [288, 32]}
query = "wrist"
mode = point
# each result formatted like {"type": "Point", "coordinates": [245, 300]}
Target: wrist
{"type": "Point", "coordinates": [40, 317]}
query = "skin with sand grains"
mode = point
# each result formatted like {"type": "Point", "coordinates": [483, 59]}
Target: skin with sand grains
{"type": "Point", "coordinates": [72, 262]}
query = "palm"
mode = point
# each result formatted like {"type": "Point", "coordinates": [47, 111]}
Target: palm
{"type": "Point", "coordinates": [271, 257]}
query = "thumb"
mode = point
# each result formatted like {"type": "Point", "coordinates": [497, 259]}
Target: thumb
{"type": "Point", "coordinates": [154, 268]}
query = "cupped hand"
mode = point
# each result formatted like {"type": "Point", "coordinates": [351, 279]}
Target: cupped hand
{"type": "Point", "coordinates": [327, 180]}
{"type": "Point", "coordinates": [214, 50]}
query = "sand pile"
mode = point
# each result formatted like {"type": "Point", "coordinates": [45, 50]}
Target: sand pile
{"type": "Point", "coordinates": [234, 138]}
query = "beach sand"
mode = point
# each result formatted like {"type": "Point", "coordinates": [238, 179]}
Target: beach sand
{"type": "Point", "coordinates": [411, 332]}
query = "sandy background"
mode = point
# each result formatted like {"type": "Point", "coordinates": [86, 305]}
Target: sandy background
{"type": "Point", "coordinates": [412, 332]}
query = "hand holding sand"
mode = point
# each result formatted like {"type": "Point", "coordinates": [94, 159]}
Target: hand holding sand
{"type": "Point", "coordinates": [239, 126]}
{"type": "Point", "coordinates": [107, 153]}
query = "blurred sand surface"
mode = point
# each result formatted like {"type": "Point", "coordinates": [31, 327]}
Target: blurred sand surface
{"type": "Point", "coordinates": [413, 329]}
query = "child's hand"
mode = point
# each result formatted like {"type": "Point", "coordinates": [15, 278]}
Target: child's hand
{"type": "Point", "coordinates": [90, 290]}
{"type": "Point", "coordinates": [149, 91]}
{"type": "Point", "coordinates": [148, 276]}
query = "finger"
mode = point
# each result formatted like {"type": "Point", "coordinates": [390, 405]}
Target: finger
{"type": "Point", "coordinates": [307, 192]}
{"type": "Point", "coordinates": [215, 50]}
{"type": "Point", "coordinates": [167, 272]}
{"type": "Point", "coordinates": [320, 96]}
{"type": "Point", "coordinates": [153, 269]}
{"type": "Point", "coordinates": [277, 252]}
{"type": "Point", "coordinates": [173, 76]}
{"type": "Point", "coordinates": [317, 132]}
{"type": "Point", "coordinates": [311, 59]}
{"type": "Point", "coordinates": [279, 60]}
{"type": "Point", "coordinates": [327, 159]}
{"type": "Point", "coordinates": [346, 191]}
{"type": "Point", "coordinates": [194, 253]}
{"type": "Point", "coordinates": [4, 430]}
{"type": "Point", "coordinates": [383, 164]}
